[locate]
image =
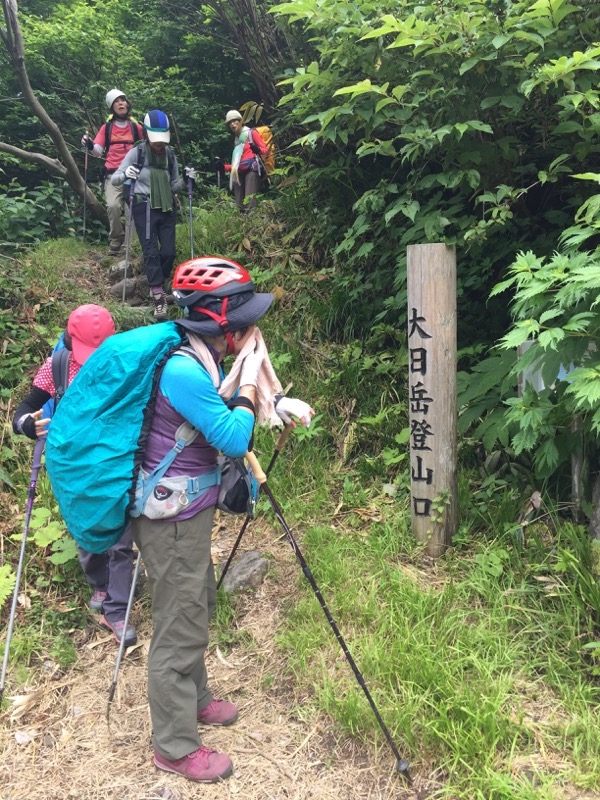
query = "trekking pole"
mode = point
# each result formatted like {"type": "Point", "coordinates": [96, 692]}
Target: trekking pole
{"type": "Point", "coordinates": [219, 168]}
{"type": "Point", "coordinates": [85, 183]}
{"type": "Point", "coordinates": [35, 468]}
{"type": "Point", "coordinates": [128, 235]}
{"type": "Point", "coordinates": [402, 765]}
{"type": "Point", "coordinates": [278, 448]}
{"type": "Point", "coordinates": [113, 687]}
{"type": "Point", "coordinates": [190, 184]}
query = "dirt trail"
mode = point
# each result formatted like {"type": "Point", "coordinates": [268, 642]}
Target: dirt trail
{"type": "Point", "coordinates": [64, 749]}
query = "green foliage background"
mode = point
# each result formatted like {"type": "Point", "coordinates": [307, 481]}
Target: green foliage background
{"type": "Point", "coordinates": [468, 122]}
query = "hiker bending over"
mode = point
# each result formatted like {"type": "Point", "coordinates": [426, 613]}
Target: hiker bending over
{"type": "Point", "coordinates": [152, 169]}
{"type": "Point", "coordinates": [222, 308]}
{"type": "Point", "coordinates": [113, 141]}
{"type": "Point", "coordinates": [246, 167]}
{"type": "Point", "coordinates": [110, 573]}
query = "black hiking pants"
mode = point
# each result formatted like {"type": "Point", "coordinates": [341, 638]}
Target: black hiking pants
{"type": "Point", "coordinates": [156, 232]}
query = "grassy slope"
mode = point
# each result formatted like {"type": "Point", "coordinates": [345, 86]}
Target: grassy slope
{"type": "Point", "coordinates": [475, 662]}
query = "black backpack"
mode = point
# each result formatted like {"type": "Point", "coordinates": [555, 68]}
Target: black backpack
{"type": "Point", "coordinates": [60, 374]}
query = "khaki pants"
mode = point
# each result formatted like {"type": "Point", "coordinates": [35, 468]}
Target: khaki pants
{"type": "Point", "coordinates": [114, 207]}
{"type": "Point", "coordinates": [245, 191]}
{"type": "Point", "coordinates": [182, 586]}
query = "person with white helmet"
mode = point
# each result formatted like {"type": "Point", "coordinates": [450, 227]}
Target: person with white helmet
{"type": "Point", "coordinates": [113, 141]}
{"type": "Point", "coordinates": [244, 170]}
{"type": "Point", "coordinates": [152, 167]}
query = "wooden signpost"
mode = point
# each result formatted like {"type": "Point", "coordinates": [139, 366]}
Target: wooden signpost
{"type": "Point", "coordinates": [432, 393]}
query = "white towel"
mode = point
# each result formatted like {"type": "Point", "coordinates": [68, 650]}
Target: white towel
{"type": "Point", "coordinates": [268, 384]}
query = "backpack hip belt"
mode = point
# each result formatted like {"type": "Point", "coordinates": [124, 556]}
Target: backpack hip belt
{"type": "Point", "coordinates": [157, 497]}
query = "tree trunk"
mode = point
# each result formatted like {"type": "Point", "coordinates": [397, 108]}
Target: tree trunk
{"type": "Point", "coordinates": [594, 523]}
{"type": "Point", "coordinates": [66, 166]}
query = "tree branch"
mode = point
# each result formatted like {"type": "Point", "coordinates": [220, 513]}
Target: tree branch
{"type": "Point", "coordinates": [66, 167]}
{"type": "Point", "coordinates": [53, 165]}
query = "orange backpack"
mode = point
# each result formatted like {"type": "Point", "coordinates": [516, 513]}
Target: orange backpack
{"type": "Point", "coordinates": [266, 134]}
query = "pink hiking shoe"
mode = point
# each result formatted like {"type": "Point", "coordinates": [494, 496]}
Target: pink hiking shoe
{"type": "Point", "coordinates": [96, 601]}
{"type": "Point", "coordinates": [203, 765]}
{"type": "Point", "coordinates": [119, 630]}
{"type": "Point", "coordinates": [218, 712]}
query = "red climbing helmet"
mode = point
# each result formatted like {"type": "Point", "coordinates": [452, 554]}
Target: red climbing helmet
{"type": "Point", "coordinates": [217, 296]}
{"type": "Point", "coordinates": [209, 276]}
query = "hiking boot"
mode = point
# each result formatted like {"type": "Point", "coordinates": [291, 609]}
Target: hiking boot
{"type": "Point", "coordinates": [160, 306]}
{"type": "Point", "coordinates": [118, 627]}
{"type": "Point", "coordinates": [96, 601]}
{"type": "Point", "coordinates": [218, 712]}
{"type": "Point", "coordinates": [204, 765]}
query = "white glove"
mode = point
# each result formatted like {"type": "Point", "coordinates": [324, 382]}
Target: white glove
{"type": "Point", "coordinates": [132, 172]}
{"type": "Point", "coordinates": [190, 173]}
{"type": "Point", "coordinates": [252, 364]}
{"type": "Point", "coordinates": [289, 407]}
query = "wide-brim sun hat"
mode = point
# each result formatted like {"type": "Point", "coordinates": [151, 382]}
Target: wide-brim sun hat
{"type": "Point", "coordinates": [156, 125]}
{"type": "Point", "coordinates": [242, 312]}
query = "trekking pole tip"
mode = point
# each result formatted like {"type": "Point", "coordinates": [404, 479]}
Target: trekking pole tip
{"type": "Point", "coordinates": [402, 767]}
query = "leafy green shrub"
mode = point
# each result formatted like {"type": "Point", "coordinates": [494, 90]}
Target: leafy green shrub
{"type": "Point", "coordinates": [450, 122]}
{"type": "Point", "coordinates": [556, 317]}
{"type": "Point", "coordinates": [28, 216]}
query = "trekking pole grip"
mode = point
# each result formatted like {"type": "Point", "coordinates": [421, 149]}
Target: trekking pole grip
{"type": "Point", "coordinates": [256, 467]}
{"type": "Point", "coordinates": [283, 436]}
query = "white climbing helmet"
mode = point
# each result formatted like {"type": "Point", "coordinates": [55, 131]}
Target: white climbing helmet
{"type": "Point", "coordinates": [113, 95]}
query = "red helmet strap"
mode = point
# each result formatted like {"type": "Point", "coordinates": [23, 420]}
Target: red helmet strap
{"type": "Point", "coordinates": [222, 321]}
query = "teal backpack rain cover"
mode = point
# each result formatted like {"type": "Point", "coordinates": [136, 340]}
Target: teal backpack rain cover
{"type": "Point", "coordinates": [96, 438]}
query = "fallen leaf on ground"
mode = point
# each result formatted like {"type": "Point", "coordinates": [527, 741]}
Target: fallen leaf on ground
{"type": "Point", "coordinates": [22, 703]}
{"type": "Point", "coordinates": [25, 737]}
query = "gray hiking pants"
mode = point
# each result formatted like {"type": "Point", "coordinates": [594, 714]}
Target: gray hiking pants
{"type": "Point", "coordinates": [245, 191]}
{"type": "Point", "coordinates": [111, 572]}
{"type": "Point", "coordinates": [181, 580]}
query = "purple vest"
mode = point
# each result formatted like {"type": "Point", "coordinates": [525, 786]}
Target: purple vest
{"type": "Point", "coordinates": [195, 459]}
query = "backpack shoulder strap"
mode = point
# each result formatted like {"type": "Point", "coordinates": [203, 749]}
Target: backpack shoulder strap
{"type": "Point", "coordinates": [107, 135]}
{"type": "Point", "coordinates": [60, 374]}
{"type": "Point", "coordinates": [135, 134]}
{"type": "Point", "coordinates": [141, 155]}
{"type": "Point", "coordinates": [170, 159]}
